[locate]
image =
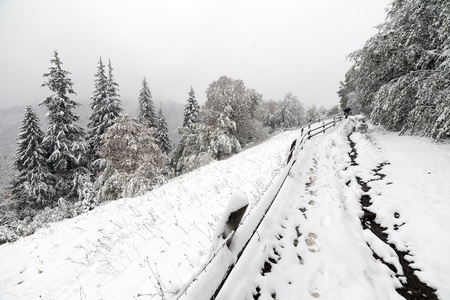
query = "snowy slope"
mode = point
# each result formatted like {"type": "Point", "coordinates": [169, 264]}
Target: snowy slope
{"type": "Point", "coordinates": [110, 252]}
{"type": "Point", "coordinates": [312, 243]}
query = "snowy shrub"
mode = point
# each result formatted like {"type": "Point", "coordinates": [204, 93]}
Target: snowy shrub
{"type": "Point", "coordinates": [193, 150]}
{"type": "Point", "coordinates": [109, 184]}
{"type": "Point", "coordinates": [14, 226]}
{"type": "Point", "coordinates": [265, 114]}
{"type": "Point", "coordinates": [132, 160]}
{"type": "Point", "coordinates": [200, 144]}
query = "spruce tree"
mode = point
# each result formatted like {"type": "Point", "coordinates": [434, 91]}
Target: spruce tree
{"type": "Point", "coordinates": [146, 106]}
{"type": "Point", "coordinates": [191, 110]}
{"type": "Point", "coordinates": [97, 125]}
{"type": "Point", "coordinates": [162, 134]}
{"type": "Point", "coordinates": [113, 103]}
{"type": "Point", "coordinates": [105, 107]}
{"type": "Point", "coordinates": [29, 187]}
{"type": "Point", "coordinates": [63, 143]}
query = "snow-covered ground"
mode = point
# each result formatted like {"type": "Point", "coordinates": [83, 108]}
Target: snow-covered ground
{"type": "Point", "coordinates": [310, 245]}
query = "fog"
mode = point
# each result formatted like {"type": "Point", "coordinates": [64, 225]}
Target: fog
{"type": "Point", "coordinates": [275, 47]}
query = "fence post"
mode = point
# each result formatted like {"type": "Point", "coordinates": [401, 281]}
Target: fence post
{"type": "Point", "coordinates": [291, 151]}
{"type": "Point", "coordinates": [235, 210]}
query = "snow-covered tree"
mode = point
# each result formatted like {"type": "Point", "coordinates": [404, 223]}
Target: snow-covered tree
{"type": "Point", "coordinates": [193, 150]}
{"type": "Point", "coordinates": [97, 126]}
{"type": "Point", "coordinates": [162, 133]}
{"type": "Point", "coordinates": [30, 187]}
{"type": "Point", "coordinates": [400, 76]}
{"type": "Point", "coordinates": [191, 110]}
{"type": "Point", "coordinates": [146, 107]}
{"type": "Point", "coordinates": [63, 142]}
{"type": "Point", "coordinates": [334, 110]}
{"type": "Point", "coordinates": [106, 107]}
{"type": "Point", "coordinates": [223, 141]}
{"type": "Point", "coordinates": [290, 112]}
{"type": "Point", "coordinates": [266, 113]}
{"type": "Point", "coordinates": [113, 103]}
{"type": "Point", "coordinates": [200, 144]}
{"type": "Point", "coordinates": [314, 113]}
{"type": "Point", "coordinates": [133, 161]}
{"type": "Point", "coordinates": [243, 103]}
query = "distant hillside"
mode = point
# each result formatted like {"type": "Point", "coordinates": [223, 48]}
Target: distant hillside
{"type": "Point", "coordinates": [11, 117]}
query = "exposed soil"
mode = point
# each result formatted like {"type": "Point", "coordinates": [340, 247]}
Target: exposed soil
{"type": "Point", "coordinates": [412, 288]}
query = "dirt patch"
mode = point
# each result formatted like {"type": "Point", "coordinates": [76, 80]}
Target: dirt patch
{"type": "Point", "coordinates": [266, 269]}
{"type": "Point", "coordinates": [412, 287]}
{"type": "Point", "coordinates": [257, 294]}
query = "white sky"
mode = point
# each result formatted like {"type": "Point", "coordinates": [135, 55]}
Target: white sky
{"type": "Point", "coordinates": [275, 47]}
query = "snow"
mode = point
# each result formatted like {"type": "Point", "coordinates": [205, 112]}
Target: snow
{"type": "Point", "coordinates": [420, 194]}
{"type": "Point", "coordinates": [237, 200]}
{"type": "Point", "coordinates": [139, 248]}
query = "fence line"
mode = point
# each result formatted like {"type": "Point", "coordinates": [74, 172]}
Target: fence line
{"type": "Point", "coordinates": [310, 130]}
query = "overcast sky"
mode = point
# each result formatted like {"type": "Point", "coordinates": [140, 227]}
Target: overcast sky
{"type": "Point", "coordinates": [275, 47]}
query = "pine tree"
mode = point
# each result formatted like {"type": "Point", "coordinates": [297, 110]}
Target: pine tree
{"type": "Point", "coordinates": [63, 143]}
{"type": "Point", "coordinates": [146, 106]}
{"type": "Point", "coordinates": [105, 108]}
{"type": "Point", "coordinates": [162, 133]}
{"type": "Point", "coordinates": [191, 110]}
{"type": "Point", "coordinates": [30, 188]}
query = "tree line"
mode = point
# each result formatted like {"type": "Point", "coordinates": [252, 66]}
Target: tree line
{"type": "Point", "coordinates": [66, 164]}
{"type": "Point", "coordinates": [401, 77]}
{"type": "Point", "coordinates": [120, 156]}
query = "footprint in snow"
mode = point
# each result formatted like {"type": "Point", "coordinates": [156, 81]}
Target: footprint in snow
{"type": "Point", "coordinates": [312, 242]}
{"type": "Point", "coordinates": [318, 283]}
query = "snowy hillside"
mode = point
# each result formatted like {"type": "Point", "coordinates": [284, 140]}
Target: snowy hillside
{"type": "Point", "coordinates": [313, 243]}
{"type": "Point", "coordinates": [115, 245]}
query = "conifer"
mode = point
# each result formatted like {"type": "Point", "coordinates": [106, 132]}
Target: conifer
{"type": "Point", "coordinates": [29, 187]}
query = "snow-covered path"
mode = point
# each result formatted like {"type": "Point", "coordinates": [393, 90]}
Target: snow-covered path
{"type": "Point", "coordinates": [312, 244]}
{"type": "Point", "coordinates": [323, 236]}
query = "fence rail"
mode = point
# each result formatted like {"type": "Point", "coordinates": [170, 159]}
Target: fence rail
{"type": "Point", "coordinates": [308, 131]}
